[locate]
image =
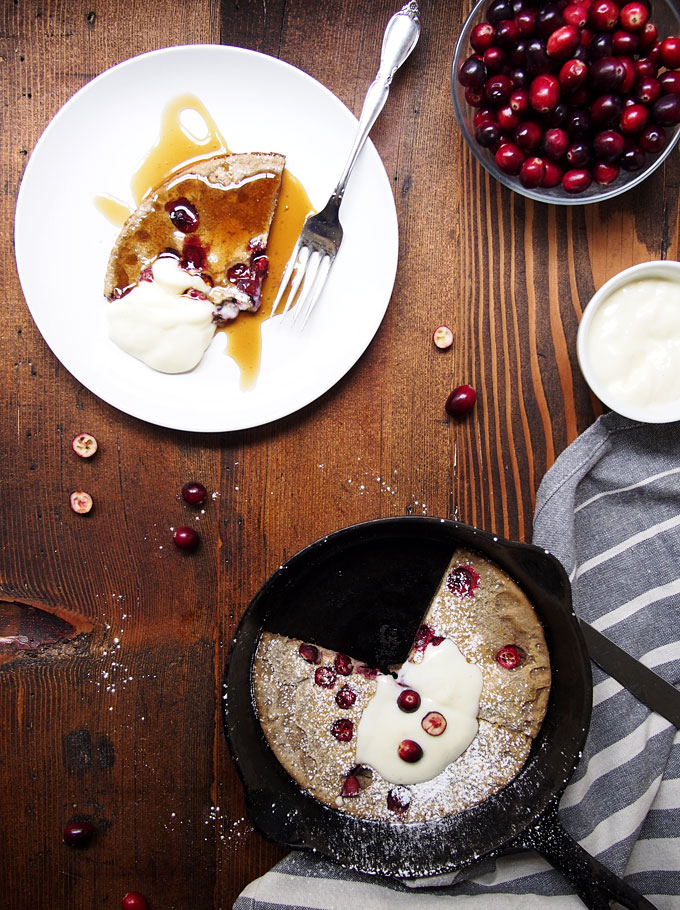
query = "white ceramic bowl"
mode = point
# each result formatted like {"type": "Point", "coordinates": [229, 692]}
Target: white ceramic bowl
{"type": "Point", "coordinates": [642, 336]}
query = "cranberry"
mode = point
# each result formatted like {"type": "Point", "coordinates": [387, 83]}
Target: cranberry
{"type": "Point", "coordinates": [608, 146]}
{"type": "Point", "coordinates": [475, 97]}
{"type": "Point", "coordinates": [634, 16]}
{"type": "Point", "coordinates": [645, 66]}
{"type": "Point", "coordinates": [601, 45]}
{"type": "Point", "coordinates": [424, 636]}
{"type": "Point", "coordinates": [576, 180]}
{"type": "Point", "coordinates": [194, 493]}
{"type": "Point", "coordinates": [508, 119]}
{"type": "Point", "coordinates": [84, 444]}
{"type": "Point", "coordinates": [473, 72]}
{"type": "Point", "coordinates": [408, 701]}
{"type": "Point", "coordinates": [579, 155]}
{"type": "Point", "coordinates": [498, 10]}
{"type": "Point", "coordinates": [634, 119]}
{"type": "Point", "coordinates": [575, 14]}
{"type": "Point", "coordinates": [648, 36]}
{"type": "Point", "coordinates": [398, 799]}
{"type": "Point", "coordinates": [325, 677]}
{"type": "Point", "coordinates": [579, 123]}
{"type": "Point", "coordinates": [345, 697]}
{"type": "Point", "coordinates": [669, 82]}
{"type": "Point", "coordinates": [434, 723]}
{"type": "Point", "coordinates": [463, 581]}
{"type": "Point", "coordinates": [409, 751]}
{"type": "Point", "coordinates": [507, 33]}
{"type": "Point", "coordinates": [488, 135]}
{"type": "Point", "coordinates": [563, 42]}
{"type": "Point", "coordinates": [548, 19]}
{"type": "Point", "coordinates": [537, 60]}
{"type": "Point", "coordinates": [310, 653]}
{"type": "Point", "coordinates": [633, 158]}
{"type": "Point", "coordinates": [461, 400]}
{"type": "Point", "coordinates": [343, 665]}
{"type": "Point", "coordinates": [442, 337]}
{"type": "Point", "coordinates": [603, 15]}
{"type": "Point", "coordinates": [183, 215]}
{"type": "Point", "coordinates": [498, 89]}
{"type": "Point", "coordinates": [133, 900]}
{"type": "Point", "coordinates": [81, 502]}
{"type": "Point", "coordinates": [629, 75]}
{"type": "Point", "coordinates": [624, 43]}
{"type": "Point", "coordinates": [606, 111]}
{"type": "Point", "coordinates": [482, 36]}
{"type": "Point", "coordinates": [572, 75]}
{"type": "Point", "coordinates": [604, 174]}
{"type": "Point", "coordinates": [666, 110]}
{"type": "Point", "coordinates": [654, 139]}
{"type": "Point", "coordinates": [519, 101]}
{"type": "Point", "coordinates": [351, 787]}
{"type": "Point", "coordinates": [509, 657]}
{"type": "Point", "coordinates": [528, 136]}
{"type": "Point", "coordinates": [552, 175]}
{"type": "Point", "coordinates": [343, 729]}
{"type": "Point", "coordinates": [544, 93]}
{"type": "Point", "coordinates": [526, 22]}
{"type": "Point", "coordinates": [494, 59]}
{"type": "Point", "coordinates": [532, 172]}
{"type": "Point", "coordinates": [669, 53]}
{"type": "Point", "coordinates": [78, 834]}
{"type": "Point", "coordinates": [606, 74]}
{"type": "Point", "coordinates": [193, 256]}
{"type": "Point", "coordinates": [555, 144]}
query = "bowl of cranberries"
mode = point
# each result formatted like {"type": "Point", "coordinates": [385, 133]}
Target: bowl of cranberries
{"type": "Point", "coordinates": [569, 101]}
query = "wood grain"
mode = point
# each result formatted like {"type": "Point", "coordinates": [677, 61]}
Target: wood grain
{"type": "Point", "coordinates": [125, 729]}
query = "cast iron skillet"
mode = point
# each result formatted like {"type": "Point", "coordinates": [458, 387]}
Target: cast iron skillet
{"type": "Point", "coordinates": [363, 590]}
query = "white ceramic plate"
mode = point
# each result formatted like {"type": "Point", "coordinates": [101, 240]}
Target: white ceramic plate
{"type": "Point", "coordinates": [95, 144]}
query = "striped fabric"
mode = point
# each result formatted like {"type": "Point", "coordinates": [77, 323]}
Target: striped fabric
{"type": "Point", "coordinates": [609, 509]}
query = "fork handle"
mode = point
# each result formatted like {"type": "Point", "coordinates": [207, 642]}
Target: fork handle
{"type": "Point", "coordinates": [401, 36]}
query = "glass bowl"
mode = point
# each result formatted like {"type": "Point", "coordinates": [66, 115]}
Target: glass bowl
{"type": "Point", "coordinates": [667, 20]}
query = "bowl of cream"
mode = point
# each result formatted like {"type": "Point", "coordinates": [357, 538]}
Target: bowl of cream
{"type": "Point", "coordinates": [628, 342]}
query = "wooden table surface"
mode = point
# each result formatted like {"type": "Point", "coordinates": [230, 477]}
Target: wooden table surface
{"type": "Point", "coordinates": [113, 714]}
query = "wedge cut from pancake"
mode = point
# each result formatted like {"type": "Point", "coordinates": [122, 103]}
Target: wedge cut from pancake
{"type": "Point", "coordinates": [215, 216]}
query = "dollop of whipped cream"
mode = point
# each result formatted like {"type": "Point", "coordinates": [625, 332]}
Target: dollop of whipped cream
{"type": "Point", "coordinates": [447, 684]}
{"type": "Point", "coordinates": [160, 323]}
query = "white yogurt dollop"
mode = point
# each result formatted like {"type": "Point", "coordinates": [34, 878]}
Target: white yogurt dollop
{"type": "Point", "coordinates": [446, 683]}
{"type": "Point", "coordinates": [634, 344]}
{"type": "Point", "coordinates": [159, 324]}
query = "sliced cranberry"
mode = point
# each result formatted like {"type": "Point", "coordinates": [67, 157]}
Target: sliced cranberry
{"type": "Point", "coordinates": [509, 657]}
{"type": "Point", "coordinates": [310, 653]}
{"type": "Point", "coordinates": [398, 799]}
{"type": "Point", "coordinates": [351, 787]}
{"type": "Point", "coordinates": [81, 502]}
{"type": "Point", "coordinates": [408, 701]}
{"type": "Point", "coordinates": [343, 665]}
{"type": "Point", "coordinates": [345, 697]}
{"type": "Point", "coordinates": [325, 676]}
{"type": "Point", "coordinates": [463, 581]}
{"type": "Point", "coordinates": [409, 751]}
{"type": "Point", "coordinates": [343, 729]}
{"type": "Point", "coordinates": [434, 723]}
{"type": "Point", "coordinates": [183, 215]}
{"type": "Point", "coordinates": [84, 444]}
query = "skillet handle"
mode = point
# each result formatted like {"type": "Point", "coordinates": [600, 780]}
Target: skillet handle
{"type": "Point", "coordinates": [594, 883]}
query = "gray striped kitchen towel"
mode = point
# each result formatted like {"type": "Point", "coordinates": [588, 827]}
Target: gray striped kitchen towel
{"type": "Point", "coordinates": [609, 510]}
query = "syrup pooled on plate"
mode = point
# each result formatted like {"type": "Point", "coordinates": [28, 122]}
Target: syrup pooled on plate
{"type": "Point", "coordinates": [188, 137]}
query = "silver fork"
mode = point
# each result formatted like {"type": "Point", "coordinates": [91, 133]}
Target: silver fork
{"type": "Point", "coordinates": [321, 236]}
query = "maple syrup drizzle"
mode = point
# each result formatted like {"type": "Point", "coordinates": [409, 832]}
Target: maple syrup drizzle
{"type": "Point", "coordinates": [178, 146]}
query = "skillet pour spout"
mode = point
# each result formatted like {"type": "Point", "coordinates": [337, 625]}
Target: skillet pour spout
{"type": "Point", "coordinates": [592, 881]}
{"type": "Point", "coordinates": [348, 590]}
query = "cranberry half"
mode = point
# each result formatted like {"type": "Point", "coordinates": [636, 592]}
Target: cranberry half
{"type": "Point", "coordinates": [509, 657]}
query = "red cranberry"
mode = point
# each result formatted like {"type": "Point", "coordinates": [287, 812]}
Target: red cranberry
{"type": "Point", "coordinates": [463, 581]}
{"type": "Point", "coordinates": [654, 139]}
{"type": "Point", "coordinates": [576, 180]}
{"type": "Point", "coordinates": [633, 158]}
{"type": "Point", "coordinates": [185, 538]}
{"type": "Point", "coordinates": [634, 119]}
{"type": "Point", "coordinates": [606, 74]}
{"type": "Point", "coordinates": [648, 36]}
{"type": "Point", "coordinates": [488, 135]}
{"type": "Point", "coordinates": [473, 72]}
{"type": "Point", "coordinates": [519, 100]}
{"type": "Point", "coordinates": [555, 144]}
{"type": "Point", "coordinates": [532, 172]}
{"type": "Point", "coordinates": [310, 653]}
{"type": "Point", "coordinates": [461, 400]}
{"type": "Point", "coordinates": [183, 215]}
{"type": "Point", "coordinates": [666, 110]}
{"type": "Point", "coordinates": [544, 93]}
{"type": "Point", "coordinates": [345, 697]}
{"type": "Point", "coordinates": [572, 75]}
{"type": "Point", "coordinates": [669, 82]}
{"type": "Point", "coordinates": [494, 60]}
{"type": "Point", "coordinates": [548, 19]}
{"type": "Point", "coordinates": [633, 16]}
{"type": "Point", "coordinates": [579, 155]}
{"type": "Point", "coordinates": [434, 723]}
{"type": "Point", "coordinates": [537, 60]}
{"type": "Point", "coordinates": [398, 799]}
{"type": "Point", "coordinates": [624, 44]}
{"type": "Point", "coordinates": [508, 119]}
{"type": "Point", "coordinates": [194, 493]}
{"type": "Point", "coordinates": [603, 15]}
{"type": "Point", "coordinates": [78, 834]}
{"type": "Point", "coordinates": [409, 751]}
{"type": "Point", "coordinates": [648, 90]}
{"type": "Point", "coordinates": [193, 256]}
{"type": "Point", "coordinates": [604, 174]}
{"type": "Point", "coordinates": [343, 729]}
{"type": "Point", "coordinates": [606, 110]}
{"type": "Point", "coordinates": [498, 89]}
{"type": "Point", "coordinates": [482, 36]}
{"type": "Point", "coordinates": [552, 175]}
{"type": "Point", "coordinates": [325, 677]}
{"type": "Point", "coordinates": [408, 701]}
{"type": "Point", "coordinates": [343, 665]}
{"type": "Point", "coordinates": [608, 145]}
{"type": "Point", "coordinates": [133, 900]}
{"type": "Point", "coordinates": [563, 42]}
{"type": "Point", "coordinates": [528, 136]}
{"type": "Point", "coordinates": [526, 22]}
{"type": "Point", "coordinates": [498, 10]}
{"type": "Point", "coordinates": [669, 53]}
{"type": "Point", "coordinates": [507, 33]}
{"type": "Point", "coordinates": [509, 657]}
{"type": "Point", "coordinates": [351, 787]}
{"type": "Point", "coordinates": [575, 14]}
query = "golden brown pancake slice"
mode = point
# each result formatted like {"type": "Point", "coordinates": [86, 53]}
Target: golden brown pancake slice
{"type": "Point", "coordinates": [215, 216]}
